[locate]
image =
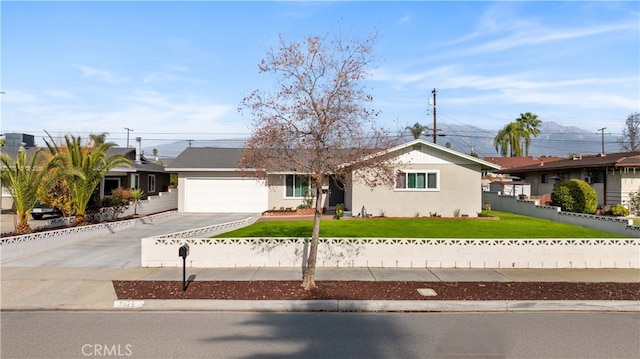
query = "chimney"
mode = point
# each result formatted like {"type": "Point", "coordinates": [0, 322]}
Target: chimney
{"type": "Point", "coordinates": [139, 150]}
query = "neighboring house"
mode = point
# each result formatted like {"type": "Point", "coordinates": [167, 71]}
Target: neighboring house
{"type": "Point", "coordinates": [149, 176]}
{"type": "Point", "coordinates": [431, 179]}
{"type": "Point", "coordinates": [510, 162]}
{"type": "Point", "coordinates": [612, 175]}
{"type": "Point", "coordinates": [146, 175]}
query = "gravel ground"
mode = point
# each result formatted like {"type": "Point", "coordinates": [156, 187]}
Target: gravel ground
{"type": "Point", "coordinates": [368, 290]}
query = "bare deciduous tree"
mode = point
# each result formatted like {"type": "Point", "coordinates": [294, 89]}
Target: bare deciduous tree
{"type": "Point", "coordinates": [630, 140]}
{"type": "Point", "coordinates": [316, 121]}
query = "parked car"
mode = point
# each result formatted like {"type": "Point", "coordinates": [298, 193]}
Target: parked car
{"type": "Point", "coordinates": [41, 209]}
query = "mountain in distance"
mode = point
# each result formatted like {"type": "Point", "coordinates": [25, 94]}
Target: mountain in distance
{"type": "Point", "coordinates": [554, 140]}
{"type": "Point", "coordinates": [173, 149]}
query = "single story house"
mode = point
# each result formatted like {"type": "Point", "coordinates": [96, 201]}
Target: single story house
{"type": "Point", "coordinates": [144, 174]}
{"type": "Point", "coordinates": [431, 179]}
{"type": "Point", "coordinates": [611, 175]}
{"type": "Point", "coordinates": [510, 162]}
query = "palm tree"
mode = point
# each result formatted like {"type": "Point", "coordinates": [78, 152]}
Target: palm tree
{"type": "Point", "coordinates": [529, 125]}
{"type": "Point", "coordinates": [98, 138]}
{"type": "Point", "coordinates": [84, 169]}
{"type": "Point", "coordinates": [417, 129]}
{"type": "Point", "coordinates": [23, 177]}
{"type": "Point", "coordinates": [508, 140]}
{"type": "Point", "coordinates": [136, 196]}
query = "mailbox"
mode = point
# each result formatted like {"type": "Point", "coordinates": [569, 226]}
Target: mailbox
{"type": "Point", "coordinates": [183, 251]}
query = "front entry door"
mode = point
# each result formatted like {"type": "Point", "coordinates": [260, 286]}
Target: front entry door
{"type": "Point", "coordinates": [336, 191]}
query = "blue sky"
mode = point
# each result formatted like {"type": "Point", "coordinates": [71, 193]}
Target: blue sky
{"type": "Point", "coordinates": [175, 71]}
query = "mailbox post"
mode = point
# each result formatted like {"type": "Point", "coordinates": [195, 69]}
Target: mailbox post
{"type": "Point", "coordinates": [183, 252]}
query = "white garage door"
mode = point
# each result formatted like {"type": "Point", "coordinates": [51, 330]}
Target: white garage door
{"type": "Point", "coordinates": [225, 195]}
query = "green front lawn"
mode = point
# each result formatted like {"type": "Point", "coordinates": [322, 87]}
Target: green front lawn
{"type": "Point", "coordinates": [509, 226]}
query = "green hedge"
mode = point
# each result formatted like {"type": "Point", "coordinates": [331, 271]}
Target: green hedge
{"type": "Point", "coordinates": [575, 196]}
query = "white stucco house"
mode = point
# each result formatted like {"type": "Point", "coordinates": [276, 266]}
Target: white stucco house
{"type": "Point", "coordinates": [431, 179]}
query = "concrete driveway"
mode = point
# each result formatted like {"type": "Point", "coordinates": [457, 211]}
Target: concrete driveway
{"type": "Point", "coordinates": [120, 249]}
{"type": "Point", "coordinates": [8, 219]}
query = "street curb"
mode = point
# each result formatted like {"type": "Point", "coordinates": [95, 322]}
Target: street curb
{"type": "Point", "coordinates": [375, 305]}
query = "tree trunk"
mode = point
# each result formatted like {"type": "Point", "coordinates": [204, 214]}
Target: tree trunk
{"type": "Point", "coordinates": [79, 220]}
{"type": "Point", "coordinates": [22, 225]}
{"type": "Point", "coordinates": [23, 228]}
{"type": "Point", "coordinates": [308, 282]}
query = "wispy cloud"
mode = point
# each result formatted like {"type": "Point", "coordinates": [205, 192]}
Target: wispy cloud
{"type": "Point", "coordinates": [13, 96]}
{"type": "Point", "coordinates": [150, 114]}
{"type": "Point", "coordinates": [169, 74]}
{"type": "Point", "coordinates": [59, 94]}
{"type": "Point", "coordinates": [405, 19]}
{"type": "Point", "coordinates": [101, 74]}
{"type": "Point", "coordinates": [501, 27]}
{"type": "Point", "coordinates": [538, 36]}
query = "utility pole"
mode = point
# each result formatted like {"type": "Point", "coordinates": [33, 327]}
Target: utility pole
{"type": "Point", "coordinates": [602, 132]}
{"type": "Point", "coordinates": [435, 129]}
{"type": "Point", "coordinates": [128, 130]}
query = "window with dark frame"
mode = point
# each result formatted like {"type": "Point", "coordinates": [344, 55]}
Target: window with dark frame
{"type": "Point", "coordinates": [152, 184]}
{"type": "Point", "coordinates": [297, 186]}
{"type": "Point", "coordinates": [426, 180]}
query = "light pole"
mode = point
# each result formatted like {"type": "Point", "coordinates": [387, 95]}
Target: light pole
{"type": "Point", "coordinates": [434, 115]}
{"type": "Point", "coordinates": [128, 130]}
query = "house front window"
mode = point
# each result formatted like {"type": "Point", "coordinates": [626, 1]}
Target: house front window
{"type": "Point", "coordinates": [418, 180]}
{"type": "Point", "coordinates": [152, 184]}
{"type": "Point", "coordinates": [109, 185]}
{"type": "Point", "coordinates": [297, 186]}
{"type": "Point", "coordinates": [135, 180]}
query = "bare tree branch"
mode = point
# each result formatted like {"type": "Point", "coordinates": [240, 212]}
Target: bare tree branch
{"type": "Point", "coordinates": [317, 121]}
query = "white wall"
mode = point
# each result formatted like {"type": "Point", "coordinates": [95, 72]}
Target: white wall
{"type": "Point", "coordinates": [618, 225]}
{"type": "Point", "coordinates": [396, 252]}
{"type": "Point", "coordinates": [460, 189]}
{"type": "Point", "coordinates": [164, 201]}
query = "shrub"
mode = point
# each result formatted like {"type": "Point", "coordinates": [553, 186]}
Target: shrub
{"type": "Point", "coordinates": [634, 201]}
{"type": "Point", "coordinates": [339, 211]}
{"type": "Point", "coordinates": [575, 196]}
{"type": "Point", "coordinates": [618, 210]}
{"type": "Point", "coordinates": [118, 202]}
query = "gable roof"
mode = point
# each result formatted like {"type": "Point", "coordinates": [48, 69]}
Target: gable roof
{"type": "Point", "coordinates": [143, 165]}
{"type": "Point", "coordinates": [485, 165]}
{"type": "Point", "coordinates": [207, 158]}
{"type": "Point", "coordinates": [217, 159]}
{"type": "Point", "coordinates": [610, 160]}
{"type": "Point", "coordinates": [509, 162]}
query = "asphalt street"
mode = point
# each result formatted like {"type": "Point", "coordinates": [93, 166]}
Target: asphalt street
{"type": "Point", "coordinates": [319, 335]}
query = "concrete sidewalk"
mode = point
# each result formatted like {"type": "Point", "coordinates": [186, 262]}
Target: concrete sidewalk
{"type": "Point", "coordinates": [69, 288]}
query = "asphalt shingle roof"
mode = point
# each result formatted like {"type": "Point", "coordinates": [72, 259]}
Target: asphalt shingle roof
{"type": "Point", "coordinates": [509, 162]}
{"type": "Point", "coordinates": [207, 157]}
{"type": "Point", "coordinates": [612, 160]}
